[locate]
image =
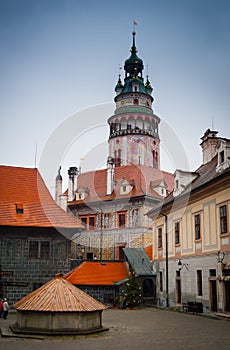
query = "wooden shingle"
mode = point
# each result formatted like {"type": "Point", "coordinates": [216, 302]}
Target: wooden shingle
{"type": "Point", "coordinates": [58, 295]}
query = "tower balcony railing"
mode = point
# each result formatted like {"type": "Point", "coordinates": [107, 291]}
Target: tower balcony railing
{"type": "Point", "coordinates": [134, 131]}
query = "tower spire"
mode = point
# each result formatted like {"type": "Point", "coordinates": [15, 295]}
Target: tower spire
{"type": "Point", "coordinates": [133, 48]}
{"type": "Point", "coordinates": [134, 135]}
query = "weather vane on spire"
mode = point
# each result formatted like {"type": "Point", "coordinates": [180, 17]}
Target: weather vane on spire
{"type": "Point", "coordinates": [134, 26]}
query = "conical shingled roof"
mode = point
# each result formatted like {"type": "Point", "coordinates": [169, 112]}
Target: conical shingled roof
{"type": "Point", "coordinates": [58, 295]}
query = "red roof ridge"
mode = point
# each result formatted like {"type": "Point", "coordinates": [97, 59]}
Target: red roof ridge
{"type": "Point", "coordinates": [98, 273]}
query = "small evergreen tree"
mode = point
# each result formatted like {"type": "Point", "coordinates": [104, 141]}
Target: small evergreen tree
{"type": "Point", "coordinates": [132, 294]}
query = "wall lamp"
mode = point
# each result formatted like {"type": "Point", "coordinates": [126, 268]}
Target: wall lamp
{"type": "Point", "coordinates": [181, 265]}
{"type": "Point", "coordinates": [220, 256]}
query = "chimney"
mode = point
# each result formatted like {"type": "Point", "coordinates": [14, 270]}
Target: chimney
{"type": "Point", "coordinates": [110, 175]}
{"type": "Point", "coordinates": [208, 145]}
{"type": "Point", "coordinates": [73, 173]}
{"type": "Point", "coordinates": [58, 187]}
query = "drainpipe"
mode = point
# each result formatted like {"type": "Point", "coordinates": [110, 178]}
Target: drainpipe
{"type": "Point", "coordinates": [166, 260]}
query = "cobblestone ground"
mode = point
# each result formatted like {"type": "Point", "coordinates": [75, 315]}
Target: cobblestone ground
{"type": "Point", "coordinates": [146, 328]}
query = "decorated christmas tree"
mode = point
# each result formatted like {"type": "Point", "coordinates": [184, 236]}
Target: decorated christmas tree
{"type": "Point", "coordinates": [132, 293]}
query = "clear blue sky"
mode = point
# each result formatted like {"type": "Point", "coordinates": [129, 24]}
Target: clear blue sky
{"type": "Point", "coordinates": [61, 56]}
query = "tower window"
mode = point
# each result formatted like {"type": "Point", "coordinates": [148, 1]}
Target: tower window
{"type": "Point", "coordinates": [155, 159]}
{"type": "Point", "coordinates": [117, 158]}
{"type": "Point", "coordinates": [135, 101]}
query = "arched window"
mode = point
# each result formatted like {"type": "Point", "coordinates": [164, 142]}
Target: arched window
{"type": "Point", "coordinates": [135, 101]}
{"type": "Point", "coordinates": [155, 159]}
{"type": "Point", "coordinates": [117, 158]}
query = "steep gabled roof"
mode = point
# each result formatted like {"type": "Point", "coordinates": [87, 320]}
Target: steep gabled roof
{"type": "Point", "coordinates": [98, 273]}
{"type": "Point", "coordinates": [24, 189]}
{"type": "Point", "coordinates": [58, 295]}
{"type": "Point", "coordinates": [139, 176]}
{"type": "Point", "coordinates": [205, 174]}
{"type": "Point", "coordinates": [138, 258]}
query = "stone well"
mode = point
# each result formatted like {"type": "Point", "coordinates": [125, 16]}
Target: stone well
{"type": "Point", "coordinates": [58, 307]}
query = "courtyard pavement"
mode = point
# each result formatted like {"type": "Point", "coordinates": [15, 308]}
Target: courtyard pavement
{"type": "Point", "coordinates": [143, 329]}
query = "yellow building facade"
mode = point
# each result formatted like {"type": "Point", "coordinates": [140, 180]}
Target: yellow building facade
{"type": "Point", "coordinates": [191, 233]}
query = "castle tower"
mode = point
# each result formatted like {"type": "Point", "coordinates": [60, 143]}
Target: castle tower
{"type": "Point", "coordinates": [134, 137]}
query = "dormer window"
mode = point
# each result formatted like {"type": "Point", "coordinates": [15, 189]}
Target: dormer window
{"type": "Point", "coordinates": [182, 180]}
{"type": "Point", "coordinates": [19, 208]}
{"type": "Point", "coordinates": [82, 193]}
{"type": "Point", "coordinates": [223, 150]}
{"type": "Point", "coordinates": [125, 187]}
{"type": "Point", "coordinates": [159, 186]}
{"type": "Point", "coordinates": [222, 157]}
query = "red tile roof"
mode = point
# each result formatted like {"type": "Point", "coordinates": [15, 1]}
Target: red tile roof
{"type": "Point", "coordinates": [138, 175]}
{"type": "Point", "coordinates": [58, 295]}
{"type": "Point", "coordinates": [98, 273]}
{"type": "Point", "coordinates": [206, 173]}
{"type": "Point", "coordinates": [25, 189]}
{"type": "Point", "coordinates": [149, 251]}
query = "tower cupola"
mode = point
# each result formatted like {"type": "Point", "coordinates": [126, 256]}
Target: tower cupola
{"type": "Point", "coordinates": [134, 137]}
{"type": "Point", "coordinates": [133, 65]}
{"type": "Point", "coordinates": [148, 85]}
{"type": "Point", "coordinates": [119, 85]}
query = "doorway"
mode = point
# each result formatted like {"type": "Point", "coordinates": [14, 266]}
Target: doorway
{"type": "Point", "coordinates": [226, 287]}
{"type": "Point", "coordinates": [178, 288]}
{"type": "Point", "coordinates": [213, 295]}
{"type": "Point", "coordinates": [149, 291]}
